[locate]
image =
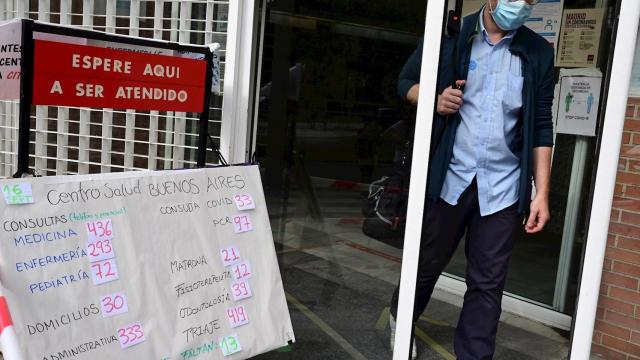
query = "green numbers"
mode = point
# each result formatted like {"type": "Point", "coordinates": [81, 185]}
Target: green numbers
{"type": "Point", "coordinates": [230, 345]}
{"type": "Point", "coordinates": [15, 194]}
{"type": "Point", "coordinates": [12, 190]}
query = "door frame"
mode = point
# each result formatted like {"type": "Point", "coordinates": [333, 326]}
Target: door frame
{"type": "Point", "coordinates": [239, 135]}
{"type": "Point", "coordinates": [434, 19]}
{"type": "Point", "coordinates": [626, 33]}
{"type": "Point", "coordinates": [452, 287]}
{"type": "Point", "coordinates": [237, 102]}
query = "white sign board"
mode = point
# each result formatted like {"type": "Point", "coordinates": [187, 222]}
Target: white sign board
{"type": "Point", "coordinates": [580, 38]}
{"type": "Point", "coordinates": [578, 105]}
{"type": "Point", "coordinates": [10, 51]}
{"type": "Point", "coordinates": [143, 265]}
{"type": "Point", "coordinates": [545, 20]}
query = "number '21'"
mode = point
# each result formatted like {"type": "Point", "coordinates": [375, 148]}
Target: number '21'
{"type": "Point", "coordinates": [230, 255]}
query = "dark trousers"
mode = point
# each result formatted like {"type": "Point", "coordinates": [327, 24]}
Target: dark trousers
{"type": "Point", "coordinates": [488, 246]}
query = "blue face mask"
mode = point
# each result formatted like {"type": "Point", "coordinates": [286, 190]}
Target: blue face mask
{"type": "Point", "coordinates": [510, 15]}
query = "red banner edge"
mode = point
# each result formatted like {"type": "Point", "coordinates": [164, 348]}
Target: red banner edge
{"type": "Point", "coordinates": [5, 315]}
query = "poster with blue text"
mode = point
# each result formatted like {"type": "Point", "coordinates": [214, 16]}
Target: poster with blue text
{"type": "Point", "coordinates": [142, 265]}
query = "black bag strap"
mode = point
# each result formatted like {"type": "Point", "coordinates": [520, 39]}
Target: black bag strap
{"type": "Point", "coordinates": [217, 152]}
{"type": "Point", "coordinates": [453, 32]}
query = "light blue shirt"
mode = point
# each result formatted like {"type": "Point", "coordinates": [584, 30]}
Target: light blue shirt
{"type": "Point", "coordinates": [492, 103]}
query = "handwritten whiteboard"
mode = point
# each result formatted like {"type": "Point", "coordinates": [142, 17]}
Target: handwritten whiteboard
{"type": "Point", "coordinates": [142, 265]}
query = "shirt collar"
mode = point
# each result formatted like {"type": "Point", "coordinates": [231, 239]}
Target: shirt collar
{"type": "Point", "coordinates": [510, 34]}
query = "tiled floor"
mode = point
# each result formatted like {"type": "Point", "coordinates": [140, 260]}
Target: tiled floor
{"type": "Point", "coordinates": [343, 280]}
{"type": "Point", "coordinates": [339, 283]}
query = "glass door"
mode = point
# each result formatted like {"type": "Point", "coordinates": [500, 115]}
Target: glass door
{"type": "Point", "coordinates": [333, 140]}
{"type": "Point", "coordinates": [544, 267]}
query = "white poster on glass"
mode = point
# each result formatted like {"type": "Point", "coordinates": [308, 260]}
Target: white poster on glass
{"type": "Point", "coordinates": [545, 20]}
{"type": "Point", "coordinates": [580, 38]}
{"type": "Point", "coordinates": [578, 101]}
{"type": "Point", "coordinates": [142, 265]}
{"type": "Point", "coordinates": [10, 52]}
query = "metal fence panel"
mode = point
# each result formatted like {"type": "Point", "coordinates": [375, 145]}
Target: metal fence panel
{"type": "Point", "coordinates": [70, 140]}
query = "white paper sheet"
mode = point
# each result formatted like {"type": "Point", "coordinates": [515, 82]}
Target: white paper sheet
{"type": "Point", "coordinates": [168, 230]}
{"type": "Point", "coordinates": [10, 52]}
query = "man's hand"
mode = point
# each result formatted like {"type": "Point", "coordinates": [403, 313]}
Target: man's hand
{"type": "Point", "coordinates": [450, 101]}
{"type": "Point", "coordinates": [538, 215]}
{"type": "Point", "coordinates": [539, 211]}
{"type": "Point", "coordinates": [413, 94]}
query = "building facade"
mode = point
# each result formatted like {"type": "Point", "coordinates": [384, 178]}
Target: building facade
{"type": "Point", "coordinates": [309, 92]}
{"type": "Point", "coordinates": [617, 331]}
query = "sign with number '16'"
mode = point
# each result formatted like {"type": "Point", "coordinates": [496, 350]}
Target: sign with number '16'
{"type": "Point", "coordinates": [17, 194]}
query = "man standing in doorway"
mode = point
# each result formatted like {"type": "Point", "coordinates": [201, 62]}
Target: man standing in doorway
{"type": "Point", "coordinates": [492, 135]}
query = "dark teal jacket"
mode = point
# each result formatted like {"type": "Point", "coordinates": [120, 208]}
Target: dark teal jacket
{"type": "Point", "coordinates": [535, 125]}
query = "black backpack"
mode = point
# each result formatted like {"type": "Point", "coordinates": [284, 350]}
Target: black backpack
{"type": "Point", "coordinates": [385, 207]}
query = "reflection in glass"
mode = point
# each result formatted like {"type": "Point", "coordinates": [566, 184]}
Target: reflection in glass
{"type": "Point", "coordinates": [335, 141]}
{"type": "Point", "coordinates": [332, 140]}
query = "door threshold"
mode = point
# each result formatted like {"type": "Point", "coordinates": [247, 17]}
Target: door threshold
{"type": "Point", "coordinates": [451, 290]}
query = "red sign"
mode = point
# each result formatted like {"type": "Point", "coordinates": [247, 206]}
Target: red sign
{"type": "Point", "coordinates": [79, 75]}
